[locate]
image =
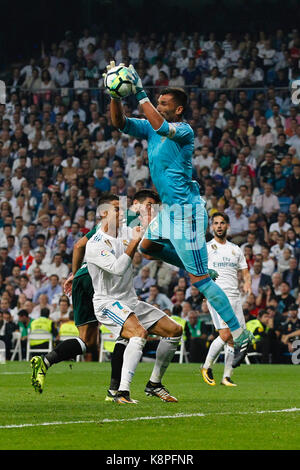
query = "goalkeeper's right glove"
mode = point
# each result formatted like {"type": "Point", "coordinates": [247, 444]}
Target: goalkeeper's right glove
{"type": "Point", "coordinates": [213, 274]}
{"type": "Point", "coordinates": [137, 85]}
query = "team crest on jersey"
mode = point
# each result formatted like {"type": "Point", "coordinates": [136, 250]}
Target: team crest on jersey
{"type": "Point", "coordinates": [214, 247]}
{"type": "Point", "coordinates": [108, 243]}
{"type": "Point", "coordinates": [233, 252]}
{"type": "Point", "coordinates": [125, 242]}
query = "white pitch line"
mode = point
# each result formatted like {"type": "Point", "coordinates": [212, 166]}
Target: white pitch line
{"type": "Point", "coordinates": [13, 373]}
{"type": "Point", "coordinates": [145, 418]}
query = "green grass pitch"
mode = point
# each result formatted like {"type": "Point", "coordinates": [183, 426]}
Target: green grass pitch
{"type": "Point", "coordinates": [263, 412]}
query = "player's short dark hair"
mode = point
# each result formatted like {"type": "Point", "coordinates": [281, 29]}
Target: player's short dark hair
{"type": "Point", "coordinates": [108, 198]}
{"type": "Point", "coordinates": [220, 214]}
{"type": "Point", "coordinates": [179, 95]}
{"type": "Point", "coordinates": [104, 200]}
{"type": "Point", "coordinates": [144, 193]}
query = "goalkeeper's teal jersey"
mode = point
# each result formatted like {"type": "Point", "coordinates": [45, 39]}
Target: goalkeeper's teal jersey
{"type": "Point", "coordinates": [170, 150]}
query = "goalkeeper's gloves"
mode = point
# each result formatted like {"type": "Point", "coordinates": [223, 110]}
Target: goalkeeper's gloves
{"type": "Point", "coordinates": [137, 86]}
{"type": "Point", "coordinates": [213, 274]}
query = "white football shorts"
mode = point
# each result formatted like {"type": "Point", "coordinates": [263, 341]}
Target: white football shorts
{"type": "Point", "coordinates": [236, 304]}
{"type": "Point", "coordinates": [113, 314]}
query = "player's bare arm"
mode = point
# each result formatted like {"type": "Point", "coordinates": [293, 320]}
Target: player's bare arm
{"type": "Point", "coordinates": [117, 114]}
{"type": "Point", "coordinates": [137, 235]}
{"type": "Point", "coordinates": [247, 281]}
{"type": "Point", "coordinates": [78, 255]}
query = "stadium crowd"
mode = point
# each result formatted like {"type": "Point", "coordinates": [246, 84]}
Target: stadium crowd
{"type": "Point", "coordinates": [60, 153]}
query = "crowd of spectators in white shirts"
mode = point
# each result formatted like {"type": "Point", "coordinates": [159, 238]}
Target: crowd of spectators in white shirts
{"type": "Point", "coordinates": [60, 153]}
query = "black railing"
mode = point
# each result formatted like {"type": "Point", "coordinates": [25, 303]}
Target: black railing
{"type": "Point", "coordinates": [101, 97]}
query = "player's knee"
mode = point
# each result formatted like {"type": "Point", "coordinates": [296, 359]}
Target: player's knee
{"type": "Point", "coordinates": [225, 334]}
{"type": "Point", "coordinates": [141, 332]}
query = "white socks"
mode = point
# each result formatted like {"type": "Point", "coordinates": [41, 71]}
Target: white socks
{"type": "Point", "coordinates": [229, 355]}
{"type": "Point", "coordinates": [214, 350]}
{"type": "Point", "coordinates": [164, 355]}
{"type": "Point", "coordinates": [131, 358]}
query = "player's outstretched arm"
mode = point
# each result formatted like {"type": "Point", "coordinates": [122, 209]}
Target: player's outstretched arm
{"type": "Point", "coordinates": [117, 114]}
{"type": "Point", "coordinates": [151, 113]}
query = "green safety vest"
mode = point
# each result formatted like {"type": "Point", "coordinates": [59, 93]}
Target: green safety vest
{"type": "Point", "coordinates": [24, 329]}
{"type": "Point", "coordinates": [182, 322]}
{"type": "Point", "coordinates": [195, 330]}
{"type": "Point", "coordinates": [108, 345]}
{"type": "Point", "coordinates": [68, 329]}
{"type": "Point", "coordinates": [41, 323]}
{"type": "Point", "coordinates": [253, 325]}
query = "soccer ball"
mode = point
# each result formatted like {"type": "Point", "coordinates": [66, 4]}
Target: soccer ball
{"type": "Point", "coordinates": [117, 82]}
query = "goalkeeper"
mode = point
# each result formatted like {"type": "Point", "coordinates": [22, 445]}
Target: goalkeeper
{"type": "Point", "coordinates": [179, 228]}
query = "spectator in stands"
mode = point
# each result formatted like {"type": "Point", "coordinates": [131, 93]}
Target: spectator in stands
{"type": "Point", "coordinates": [197, 344]}
{"type": "Point", "coordinates": [143, 282]}
{"type": "Point", "coordinates": [60, 154]}
{"type": "Point", "coordinates": [156, 297]}
{"type": "Point", "coordinates": [259, 280]}
{"type": "Point", "coordinates": [52, 289]}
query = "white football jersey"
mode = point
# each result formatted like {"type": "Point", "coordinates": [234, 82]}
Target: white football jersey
{"type": "Point", "coordinates": [110, 267]}
{"type": "Point", "coordinates": [227, 259]}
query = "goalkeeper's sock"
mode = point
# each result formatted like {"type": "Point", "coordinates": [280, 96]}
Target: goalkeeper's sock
{"type": "Point", "coordinates": [116, 365]}
{"type": "Point", "coordinates": [164, 355]}
{"type": "Point", "coordinates": [68, 349]}
{"type": "Point", "coordinates": [219, 300]}
{"type": "Point", "coordinates": [214, 350]}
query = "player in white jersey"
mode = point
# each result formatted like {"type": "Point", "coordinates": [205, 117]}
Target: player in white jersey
{"type": "Point", "coordinates": [109, 255]}
{"type": "Point", "coordinates": [227, 259]}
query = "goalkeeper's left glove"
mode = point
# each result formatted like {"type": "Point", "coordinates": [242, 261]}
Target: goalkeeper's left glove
{"type": "Point", "coordinates": [213, 274]}
{"type": "Point", "coordinates": [137, 85]}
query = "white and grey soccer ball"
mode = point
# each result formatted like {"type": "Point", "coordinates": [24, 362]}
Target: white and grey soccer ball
{"type": "Point", "coordinates": [117, 82]}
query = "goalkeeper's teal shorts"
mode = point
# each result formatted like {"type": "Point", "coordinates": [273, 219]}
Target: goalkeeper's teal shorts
{"type": "Point", "coordinates": [185, 228]}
